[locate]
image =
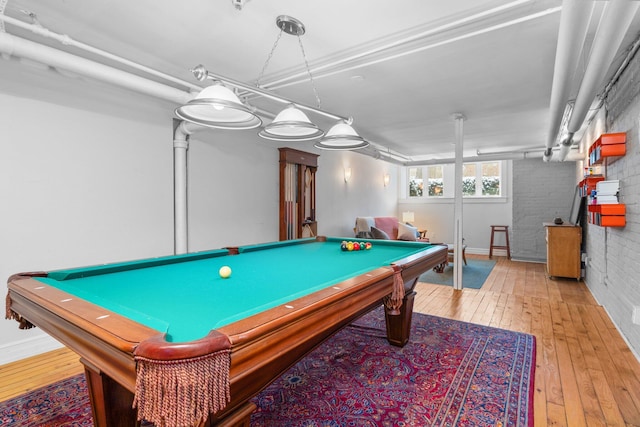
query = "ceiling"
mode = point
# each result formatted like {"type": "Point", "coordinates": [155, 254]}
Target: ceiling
{"type": "Point", "coordinates": [399, 69]}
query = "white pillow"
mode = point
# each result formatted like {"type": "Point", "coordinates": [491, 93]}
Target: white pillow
{"type": "Point", "coordinates": [406, 232]}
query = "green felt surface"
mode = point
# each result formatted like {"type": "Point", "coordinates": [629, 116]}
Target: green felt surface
{"type": "Point", "coordinates": [185, 297]}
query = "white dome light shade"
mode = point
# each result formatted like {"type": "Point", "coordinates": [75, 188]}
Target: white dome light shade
{"type": "Point", "coordinates": [341, 137]}
{"type": "Point", "coordinates": [291, 124]}
{"type": "Point", "coordinates": [218, 107]}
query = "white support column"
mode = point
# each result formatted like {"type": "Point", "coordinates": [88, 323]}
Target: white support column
{"type": "Point", "coordinates": [457, 209]}
{"type": "Point", "coordinates": [182, 130]}
{"type": "Point", "coordinates": [180, 219]}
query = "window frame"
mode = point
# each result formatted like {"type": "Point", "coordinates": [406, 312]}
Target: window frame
{"type": "Point", "coordinates": [448, 173]}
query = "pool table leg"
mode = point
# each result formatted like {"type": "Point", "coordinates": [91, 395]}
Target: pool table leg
{"type": "Point", "coordinates": [399, 325]}
{"type": "Point", "coordinates": [440, 267]}
{"type": "Point", "coordinates": [105, 393]}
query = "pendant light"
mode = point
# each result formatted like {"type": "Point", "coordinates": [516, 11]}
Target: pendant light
{"type": "Point", "coordinates": [291, 124]}
{"type": "Point", "coordinates": [218, 107]}
{"type": "Point", "coordinates": [341, 137]}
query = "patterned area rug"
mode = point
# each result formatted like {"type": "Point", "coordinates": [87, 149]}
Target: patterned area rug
{"type": "Point", "coordinates": [450, 374]}
{"type": "Point", "coordinates": [65, 403]}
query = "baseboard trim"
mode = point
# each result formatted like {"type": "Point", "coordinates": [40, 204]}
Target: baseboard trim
{"type": "Point", "coordinates": [484, 251]}
{"type": "Point", "coordinates": [18, 350]}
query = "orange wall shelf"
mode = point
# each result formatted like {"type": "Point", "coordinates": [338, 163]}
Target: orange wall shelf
{"type": "Point", "coordinates": [610, 215]}
{"type": "Point", "coordinates": [608, 145]}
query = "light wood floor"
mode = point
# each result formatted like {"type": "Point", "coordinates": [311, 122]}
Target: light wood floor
{"type": "Point", "coordinates": [585, 373]}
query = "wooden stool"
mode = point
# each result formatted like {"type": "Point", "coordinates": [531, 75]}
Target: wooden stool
{"type": "Point", "coordinates": [500, 229]}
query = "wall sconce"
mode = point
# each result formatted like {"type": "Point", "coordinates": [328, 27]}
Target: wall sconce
{"type": "Point", "coordinates": [385, 179]}
{"type": "Point", "coordinates": [408, 217]}
{"type": "Point", "coordinates": [347, 174]}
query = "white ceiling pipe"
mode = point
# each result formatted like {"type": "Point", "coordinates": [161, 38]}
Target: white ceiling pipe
{"type": "Point", "coordinates": [68, 41]}
{"type": "Point", "coordinates": [507, 155]}
{"type": "Point", "coordinates": [617, 18]}
{"type": "Point", "coordinates": [496, 157]}
{"type": "Point", "coordinates": [565, 146]}
{"type": "Point", "coordinates": [574, 156]}
{"type": "Point", "coordinates": [574, 23]}
{"type": "Point", "coordinates": [180, 191]}
{"type": "Point", "coordinates": [378, 154]}
{"type": "Point", "coordinates": [180, 184]}
{"type": "Point", "coordinates": [387, 152]}
{"type": "Point", "coordinates": [22, 48]}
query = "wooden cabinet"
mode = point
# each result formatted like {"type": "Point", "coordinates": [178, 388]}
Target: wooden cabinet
{"type": "Point", "coordinates": [563, 250]}
{"type": "Point", "coordinates": [297, 194]}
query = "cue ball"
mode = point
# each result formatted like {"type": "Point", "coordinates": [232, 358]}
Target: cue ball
{"type": "Point", "coordinates": [225, 272]}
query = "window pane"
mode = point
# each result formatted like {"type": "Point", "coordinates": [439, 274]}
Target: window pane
{"type": "Point", "coordinates": [415, 182]}
{"type": "Point", "coordinates": [435, 181]}
{"type": "Point", "coordinates": [491, 179]}
{"type": "Point", "coordinates": [469, 179]}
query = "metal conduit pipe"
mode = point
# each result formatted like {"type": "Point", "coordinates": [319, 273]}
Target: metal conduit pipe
{"type": "Point", "coordinates": [616, 21]}
{"type": "Point", "coordinates": [23, 48]}
{"type": "Point", "coordinates": [574, 22]}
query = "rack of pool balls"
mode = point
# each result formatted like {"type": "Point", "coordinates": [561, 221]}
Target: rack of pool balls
{"type": "Point", "coordinates": [355, 246]}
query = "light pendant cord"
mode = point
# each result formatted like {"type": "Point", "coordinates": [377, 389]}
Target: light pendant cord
{"type": "Point", "coordinates": [306, 64]}
{"type": "Point", "coordinates": [266, 63]}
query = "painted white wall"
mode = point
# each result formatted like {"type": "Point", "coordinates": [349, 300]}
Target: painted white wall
{"type": "Point", "coordinates": [340, 202]}
{"type": "Point", "coordinates": [233, 189]}
{"type": "Point", "coordinates": [78, 188]}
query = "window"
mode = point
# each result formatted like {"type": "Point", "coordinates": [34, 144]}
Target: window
{"type": "Point", "coordinates": [491, 173]}
{"type": "Point", "coordinates": [415, 182]}
{"type": "Point", "coordinates": [436, 182]}
{"type": "Point", "coordinates": [479, 179]}
{"type": "Point", "coordinates": [469, 179]}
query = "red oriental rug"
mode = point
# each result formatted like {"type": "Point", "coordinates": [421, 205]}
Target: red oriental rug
{"type": "Point", "coordinates": [451, 373]}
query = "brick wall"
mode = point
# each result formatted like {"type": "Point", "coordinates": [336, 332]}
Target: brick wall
{"type": "Point", "coordinates": [541, 192]}
{"type": "Point", "coordinates": [613, 267]}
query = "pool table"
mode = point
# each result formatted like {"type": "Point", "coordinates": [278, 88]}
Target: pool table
{"type": "Point", "coordinates": [142, 324]}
